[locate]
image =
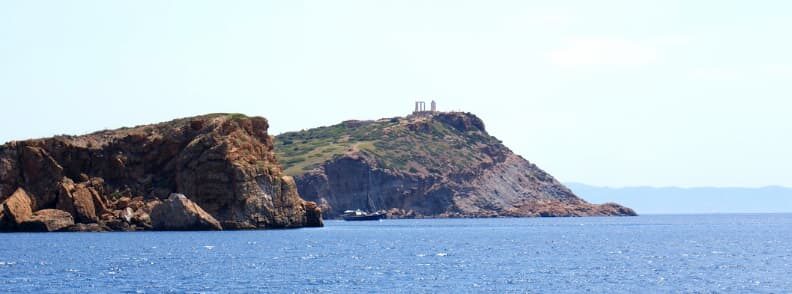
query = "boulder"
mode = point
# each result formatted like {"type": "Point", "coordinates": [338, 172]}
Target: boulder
{"type": "Point", "coordinates": [16, 209]}
{"type": "Point", "coordinates": [136, 203]}
{"type": "Point", "coordinates": [122, 202]}
{"type": "Point", "coordinates": [181, 214]}
{"type": "Point", "coordinates": [141, 218]}
{"type": "Point", "coordinates": [47, 220]}
{"type": "Point", "coordinates": [99, 202]}
{"type": "Point", "coordinates": [78, 200]}
{"type": "Point", "coordinates": [118, 225]}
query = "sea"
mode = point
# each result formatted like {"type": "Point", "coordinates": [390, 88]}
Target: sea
{"type": "Point", "coordinates": [731, 253]}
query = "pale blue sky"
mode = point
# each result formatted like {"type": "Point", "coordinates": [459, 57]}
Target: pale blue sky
{"type": "Point", "coordinates": [618, 93]}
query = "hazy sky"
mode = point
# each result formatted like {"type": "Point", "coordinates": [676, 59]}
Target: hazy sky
{"type": "Point", "coordinates": [619, 93]}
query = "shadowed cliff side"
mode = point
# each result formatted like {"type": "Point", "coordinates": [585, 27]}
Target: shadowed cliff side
{"type": "Point", "coordinates": [429, 164]}
{"type": "Point", "coordinates": [112, 180]}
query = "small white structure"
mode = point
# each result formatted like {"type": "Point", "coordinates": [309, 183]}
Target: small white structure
{"type": "Point", "coordinates": [420, 107]}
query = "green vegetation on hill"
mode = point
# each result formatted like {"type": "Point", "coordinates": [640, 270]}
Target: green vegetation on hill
{"type": "Point", "coordinates": [415, 144]}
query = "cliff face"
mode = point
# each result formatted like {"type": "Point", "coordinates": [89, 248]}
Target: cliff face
{"type": "Point", "coordinates": [427, 165]}
{"type": "Point", "coordinates": [114, 179]}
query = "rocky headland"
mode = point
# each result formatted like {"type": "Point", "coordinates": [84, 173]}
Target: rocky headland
{"type": "Point", "coordinates": [428, 164]}
{"type": "Point", "coordinates": [209, 172]}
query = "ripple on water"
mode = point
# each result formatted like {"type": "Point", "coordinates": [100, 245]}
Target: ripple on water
{"type": "Point", "coordinates": [728, 253]}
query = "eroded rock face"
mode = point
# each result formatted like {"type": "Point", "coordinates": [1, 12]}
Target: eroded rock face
{"type": "Point", "coordinates": [225, 163]}
{"type": "Point", "coordinates": [313, 214]}
{"type": "Point", "coordinates": [47, 220]}
{"type": "Point", "coordinates": [511, 188]}
{"type": "Point", "coordinates": [179, 213]}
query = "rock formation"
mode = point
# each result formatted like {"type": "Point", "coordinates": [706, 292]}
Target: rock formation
{"type": "Point", "coordinates": [47, 220]}
{"type": "Point", "coordinates": [424, 165]}
{"type": "Point", "coordinates": [15, 210]}
{"type": "Point", "coordinates": [114, 180]}
{"type": "Point", "coordinates": [179, 213]}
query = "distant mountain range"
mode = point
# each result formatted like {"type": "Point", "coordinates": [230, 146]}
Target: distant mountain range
{"type": "Point", "coordinates": [662, 200]}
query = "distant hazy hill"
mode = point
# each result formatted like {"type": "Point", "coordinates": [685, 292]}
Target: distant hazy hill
{"type": "Point", "coordinates": [649, 200]}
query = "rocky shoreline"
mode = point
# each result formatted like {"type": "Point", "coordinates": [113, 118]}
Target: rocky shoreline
{"type": "Point", "coordinates": [220, 172]}
{"type": "Point", "coordinates": [212, 172]}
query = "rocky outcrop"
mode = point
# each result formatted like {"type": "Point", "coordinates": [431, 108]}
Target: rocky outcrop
{"type": "Point", "coordinates": [426, 165]}
{"type": "Point", "coordinates": [81, 200]}
{"type": "Point", "coordinates": [179, 213]}
{"type": "Point", "coordinates": [313, 214]}
{"type": "Point", "coordinates": [16, 209]}
{"type": "Point", "coordinates": [224, 163]}
{"type": "Point", "coordinates": [47, 220]}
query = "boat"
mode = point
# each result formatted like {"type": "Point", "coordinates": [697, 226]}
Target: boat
{"type": "Point", "coordinates": [359, 215]}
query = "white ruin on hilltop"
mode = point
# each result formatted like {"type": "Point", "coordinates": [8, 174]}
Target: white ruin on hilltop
{"type": "Point", "coordinates": [420, 107]}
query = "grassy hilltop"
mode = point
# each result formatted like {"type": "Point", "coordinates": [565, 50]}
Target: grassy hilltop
{"type": "Point", "coordinates": [441, 143]}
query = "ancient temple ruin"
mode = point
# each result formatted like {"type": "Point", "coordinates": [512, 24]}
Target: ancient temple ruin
{"type": "Point", "coordinates": [420, 107]}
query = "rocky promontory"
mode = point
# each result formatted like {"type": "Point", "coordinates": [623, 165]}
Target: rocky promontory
{"type": "Point", "coordinates": [208, 172]}
{"type": "Point", "coordinates": [429, 164]}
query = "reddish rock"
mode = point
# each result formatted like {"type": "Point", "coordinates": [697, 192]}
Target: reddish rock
{"type": "Point", "coordinates": [179, 213]}
{"type": "Point", "coordinates": [122, 203]}
{"type": "Point", "coordinates": [77, 200]}
{"type": "Point", "coordinates": [313, 214]}
{"type": "Point", "coordinates": [40, 172]}
{"type": "Point", "coordinates": [47, 220]}
{"type": "Point", "coordinates": [225, 162]}
{"type": "Point", "coordinates": [16, 209]}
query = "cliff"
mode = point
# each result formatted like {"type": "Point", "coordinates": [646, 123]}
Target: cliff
{"type": "Point", "coordinates": [209, 172]}
{"type": "Point", "coordinates": [425, 165]}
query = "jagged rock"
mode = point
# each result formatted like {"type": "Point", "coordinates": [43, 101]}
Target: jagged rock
{"type": "Point", "coordinates": [127, 214]}
{"type": "Point", "coordinates": [16, 209]}
{"type": "Point", "coordinates": [424, 165]}
{"type": "Point", "coordinates": [136, 203]}
{"type": "Point", "coordinates": [118, 225]}
{"type": "Point", "coordinates": [77, 200]}
{"type": "Point", "coordinates": [142, 219]}
{"type": "Point", "coordinates": [225, 162]}
{"type": "Point", "coordinates": [180, 213]}
{"type": "Point", "coordinates": [122, 203]}
{"type": "Point", "coordinates": [9, 173]}
{"type": "Point", "coordinates": [313, 214]}
{"type": "Point", "coordinates": [47, 220]}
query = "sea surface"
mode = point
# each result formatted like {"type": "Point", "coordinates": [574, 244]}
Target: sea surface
{"type": "Point", "coordinates": [646, 254]}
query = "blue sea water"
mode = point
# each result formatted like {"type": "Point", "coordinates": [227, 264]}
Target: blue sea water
{"type": "Point", "coordinates": [682, 253]}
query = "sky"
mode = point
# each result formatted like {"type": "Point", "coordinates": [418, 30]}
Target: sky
{"type": "Point", "coordinates": [607, 93]}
